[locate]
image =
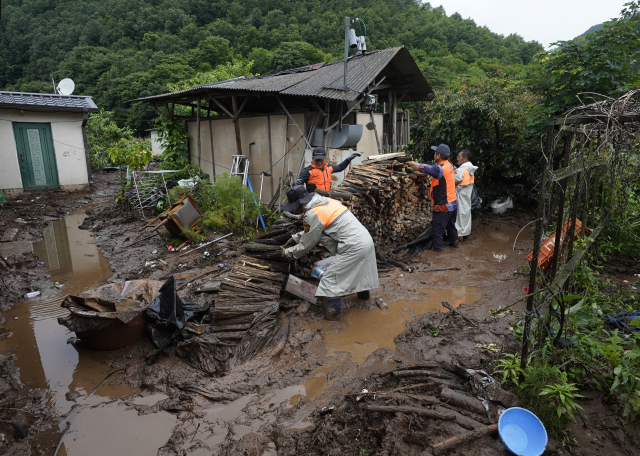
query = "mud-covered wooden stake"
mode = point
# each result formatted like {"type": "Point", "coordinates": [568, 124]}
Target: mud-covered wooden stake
{"type": "Point", "coordinates": [449, 444]}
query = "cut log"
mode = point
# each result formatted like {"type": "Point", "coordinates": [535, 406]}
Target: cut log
{"type": "Point", "coordinates": [462, 400]}
{"type": "Point", "coordinates": [221, 328]}
{"type": "Point", "coordinates": [232, 311]}
{"type": "Point", "coordinates": [440, 415]}
{"type": "Point", "coordinates": [210, 286]}
{"type": "Point", "coordinates": [244, 319]}
{"type": "Point", "coordinates": [232, 335]}
{"type": "Point", "coordinates": [463, 421]}
{"type": "Point", "coordinates": [265, 265]}
{"type": "Point", "coordinates": [446, 445]}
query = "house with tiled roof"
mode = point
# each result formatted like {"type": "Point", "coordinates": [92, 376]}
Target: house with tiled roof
{"type": "Point", "coordinates": [43, 143]}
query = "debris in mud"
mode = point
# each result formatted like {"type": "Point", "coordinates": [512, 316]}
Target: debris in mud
{"type": "Point", "coordinates": [111, 316]}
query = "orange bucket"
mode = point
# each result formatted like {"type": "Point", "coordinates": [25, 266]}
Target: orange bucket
{"type": "Point", "coordinates": [548, 246]}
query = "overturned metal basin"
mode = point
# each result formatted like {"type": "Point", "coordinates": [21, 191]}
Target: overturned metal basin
{"type": "Point", "coordinates": [112, 316]}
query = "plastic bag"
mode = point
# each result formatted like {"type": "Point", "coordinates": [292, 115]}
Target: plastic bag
{"type": "Point", "coordinates": [167, 315]}
{"type": "Point", "coordinates": [476, 203]}
{"type": "Point", "coordinates": [500, 206]}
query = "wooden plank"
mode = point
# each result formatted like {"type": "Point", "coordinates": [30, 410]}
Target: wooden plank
{"type": "Point", "coordinates": [381, 157]}
{"type": "Point", "coordinates": [301, 289]}
{"type": "Point", "coordinates": [577, 168]}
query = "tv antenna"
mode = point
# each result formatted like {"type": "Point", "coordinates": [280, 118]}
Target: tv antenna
{"type": "Point", "coordinates": [66, 86]}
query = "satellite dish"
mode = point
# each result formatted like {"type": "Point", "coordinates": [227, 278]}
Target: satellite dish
{"type": "Point", "coordinates": [66, 86]}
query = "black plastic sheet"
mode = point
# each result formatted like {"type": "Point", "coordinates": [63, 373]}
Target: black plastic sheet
{"type": "Point", "coordinates": [167, 315]}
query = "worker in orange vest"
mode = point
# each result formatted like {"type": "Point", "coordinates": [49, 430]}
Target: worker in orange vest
{"type": "Point", "coordinates": [318, 174]}
{"type": "Point", "coordinates": [329, 223]}
{"type": "Point", "coordinates": [443, 196]}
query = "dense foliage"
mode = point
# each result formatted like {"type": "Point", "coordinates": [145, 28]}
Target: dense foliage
{"type": "Point", "coordinates": [493, 117]}
{"type": "Point", "coordinates": [607, 61]}
{"type": "Point", "coordinates": [116, 50]}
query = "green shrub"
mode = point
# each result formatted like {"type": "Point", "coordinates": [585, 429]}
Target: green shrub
{"type": "Point", "coordinates": [229, 206]}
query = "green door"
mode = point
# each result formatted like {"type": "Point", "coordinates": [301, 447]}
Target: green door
{"type": "Point", "coordinates": [36, 155]}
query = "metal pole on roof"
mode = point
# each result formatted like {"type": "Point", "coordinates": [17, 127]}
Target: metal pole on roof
{"type": "Point", "coordinates": [346, 50]}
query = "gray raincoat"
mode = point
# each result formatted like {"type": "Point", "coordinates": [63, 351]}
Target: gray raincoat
{"type": "Point", "coordinates": [354, 268]}
{"type": "Point", "coordinates": [463, 192]}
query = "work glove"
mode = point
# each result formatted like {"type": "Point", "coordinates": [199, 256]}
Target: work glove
{"type": "Point", "coordinates": [297, 182]}
{"type": "Point", "coordinates": [354, 155]}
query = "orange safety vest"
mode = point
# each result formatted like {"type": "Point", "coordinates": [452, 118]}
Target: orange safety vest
{"type": "Point", "coordinates": [321, 178]}
{"type": "Point", "coordinates": [443, 190]}
{"type": "Point", "coordinates": [329, 213]}
{"type": "Point", "coordinates": [467, 178]}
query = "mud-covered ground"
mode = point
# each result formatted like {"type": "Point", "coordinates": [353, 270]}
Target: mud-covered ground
{"type": "Point", "coordinates": [273, 403]}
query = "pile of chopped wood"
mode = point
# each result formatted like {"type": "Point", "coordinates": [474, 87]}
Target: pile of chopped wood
{"type": "Point", "coordinates": [388, 197]}
{"type": "Point", "coordinates": [253, 286]}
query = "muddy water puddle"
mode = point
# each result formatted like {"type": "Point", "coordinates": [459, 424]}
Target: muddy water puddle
{"type": "Point", "coordinates": [371, 329]}
{"type": "Point", "coordinates": [68, 374]}
{"type": "Point", "coordinates": [40, 343]}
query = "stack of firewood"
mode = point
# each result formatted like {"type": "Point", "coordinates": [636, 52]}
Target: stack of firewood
{"type": "Point", "coordinates": [253, 286]}
{"type": "Point", "coordinates": [388, 197]}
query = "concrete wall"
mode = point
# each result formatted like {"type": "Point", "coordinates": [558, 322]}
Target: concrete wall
{"type": "Point", "coordinates": [68, 145]}
{"type": "Point", "coordinates": [156, 142]}
{"type": "Point", "coordinates": [219, 135]}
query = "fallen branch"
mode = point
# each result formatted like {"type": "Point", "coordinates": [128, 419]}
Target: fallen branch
{"type": "Point", "coordinates": [440, 415]}
{"type": "Point", "coordinates": [441, 269]}
{"type": "Point", "coordinates": [463, 401]}
{"type": "Point", "coordinates": [416, 373]}
{"type": "Point", "coordinates": [446, 445]}
{"type": "Point", "coordinates": [209, 271]}
{"type": "Point", "coordinates": [454, 311]}
{"type": "Point", "coordinates": [104, 380]}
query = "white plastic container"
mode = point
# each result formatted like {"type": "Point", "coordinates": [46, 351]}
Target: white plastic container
{"type": "Point", "coordinates": [500, 206]}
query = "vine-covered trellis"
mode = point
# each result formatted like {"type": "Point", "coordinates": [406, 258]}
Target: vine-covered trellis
{"type": "Point", "coordinates": [586, 154]}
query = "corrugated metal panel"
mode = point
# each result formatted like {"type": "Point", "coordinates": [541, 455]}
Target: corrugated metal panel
{"type": "Point", "coordinates": [47, 101]}
{"type": "Point", "coordinates": [314, 79]}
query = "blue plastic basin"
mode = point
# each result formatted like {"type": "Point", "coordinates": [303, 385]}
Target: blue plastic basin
{"type": "Point", "coordinates": [522, 433]}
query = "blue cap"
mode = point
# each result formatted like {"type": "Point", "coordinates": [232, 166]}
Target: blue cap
{"type": "Point", "coordinates": [443, 150]}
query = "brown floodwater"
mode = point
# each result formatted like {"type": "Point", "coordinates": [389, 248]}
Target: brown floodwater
{"type": "Point", "coordinates": [371, 329]}
{"type": "Point", "coordinates": [48, 362]}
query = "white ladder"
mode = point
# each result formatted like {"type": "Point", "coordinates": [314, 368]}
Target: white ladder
{"type": "Point", "coordinates": [240, 167]}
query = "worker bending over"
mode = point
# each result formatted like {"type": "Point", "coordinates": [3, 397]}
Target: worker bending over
{"type": "Point", "coordinates": [318, 174]}
{"type": "Point", "coordinates": [328, 222]}
{"type": "Point", "coordinates": [443, 196]}
{"type": "Point", "coordinates": [465, 179]}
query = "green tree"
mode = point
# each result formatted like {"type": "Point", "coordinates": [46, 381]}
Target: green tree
{"type": "Point", "coordinates": [607, 61]}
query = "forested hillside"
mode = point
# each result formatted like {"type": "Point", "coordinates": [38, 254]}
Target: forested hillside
{"type": "Point", "coordinates": [117, 50]}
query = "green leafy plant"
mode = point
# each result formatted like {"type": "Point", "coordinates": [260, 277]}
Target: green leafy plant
{"type": "Point", "coordinates": [509, 367]}
{"type": "Point", "coordinates": [231, 206]}
{"type": "Point", "coordinates": [564, 395]}
{"type": "Point", "coordinates": [104, 134]}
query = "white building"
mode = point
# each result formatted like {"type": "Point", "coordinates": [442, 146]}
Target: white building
{"type": "Point", "coordinates": [43, 142]}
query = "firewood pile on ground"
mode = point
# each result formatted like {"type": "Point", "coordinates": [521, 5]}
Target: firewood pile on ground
{"type": "Point", "coordinates": [388, 197]}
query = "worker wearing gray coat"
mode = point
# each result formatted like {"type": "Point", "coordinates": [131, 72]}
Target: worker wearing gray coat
{"type": "Point", "coordinates": [465, 180]}
{"type": "Point", "coordinates": [328, 222]}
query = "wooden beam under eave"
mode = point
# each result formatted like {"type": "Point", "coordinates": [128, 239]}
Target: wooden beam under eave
{"type": "Point", "coordinates": [199, 131]}
{"type": "Point", "coordinates": [236, 124]}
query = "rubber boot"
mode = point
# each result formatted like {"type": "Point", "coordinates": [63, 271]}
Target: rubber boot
{"type": "Point", "coordinates": [364, 294]}
{"type": "Point", "coordinates": [333, 309]}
